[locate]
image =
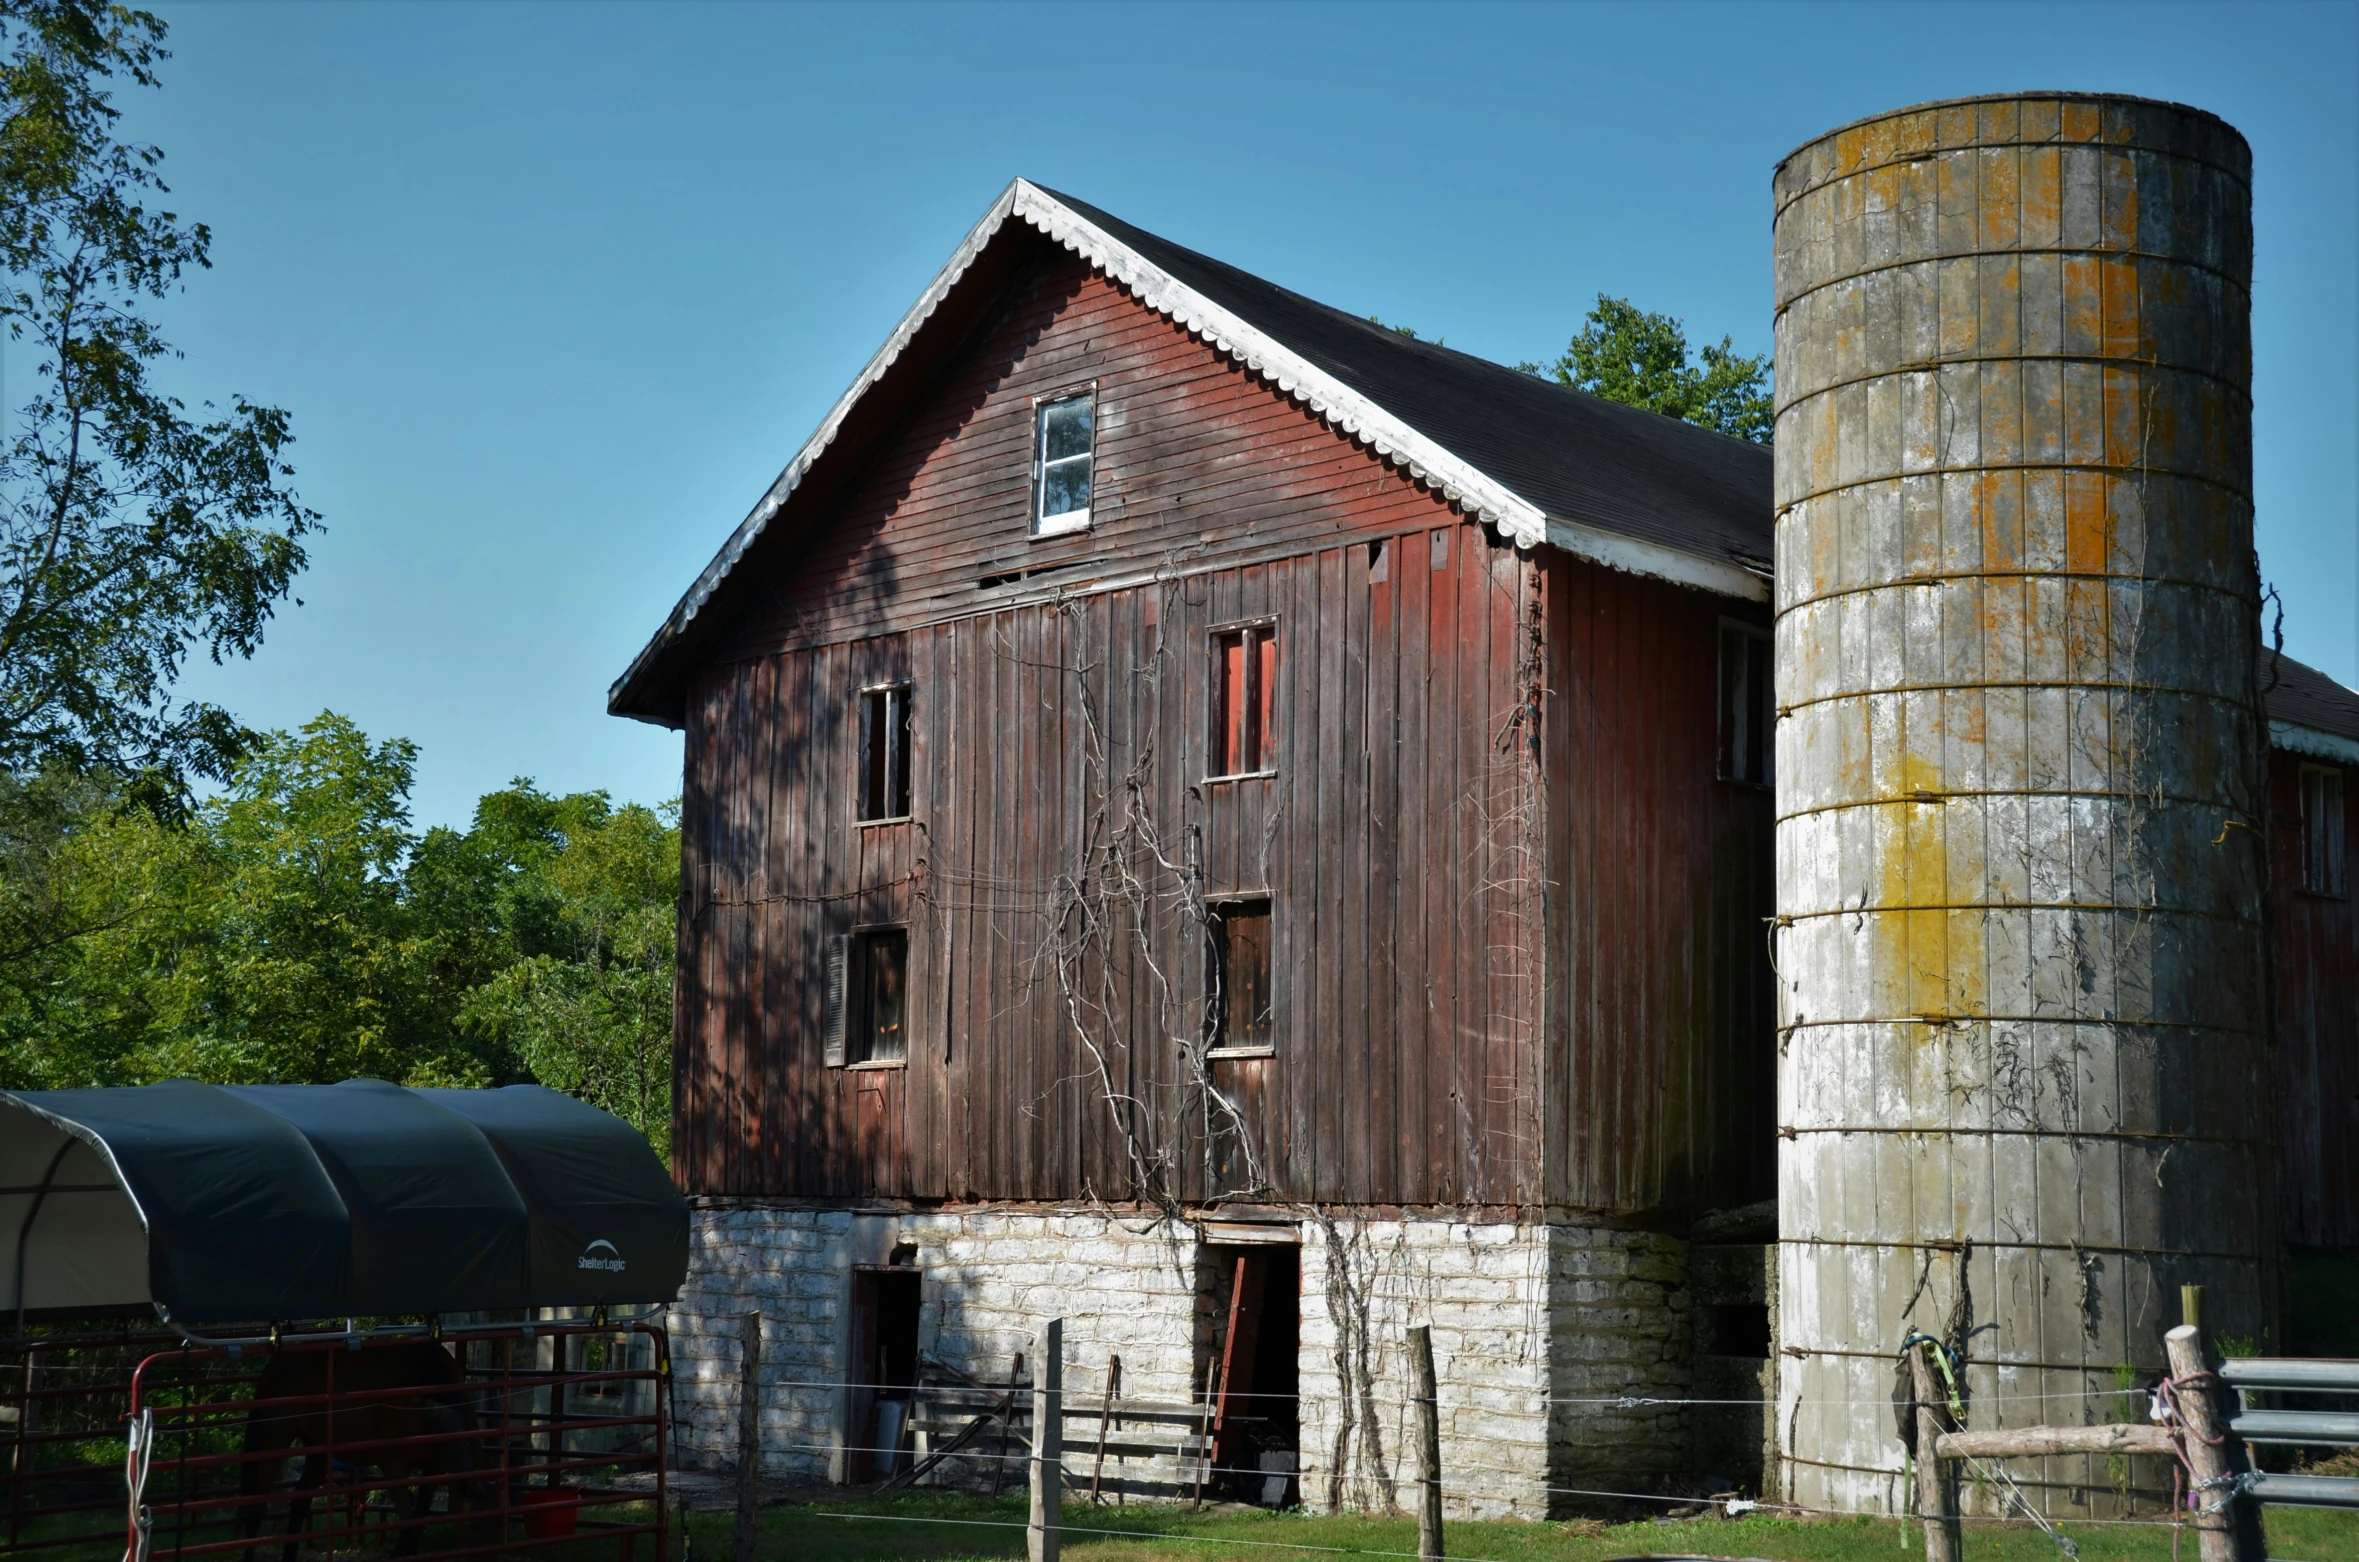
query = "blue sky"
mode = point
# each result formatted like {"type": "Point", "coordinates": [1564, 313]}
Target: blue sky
{"type": "Point", "coordinates": [554, 290]}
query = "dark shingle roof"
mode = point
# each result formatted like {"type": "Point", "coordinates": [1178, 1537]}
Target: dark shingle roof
{"type": "Point", "coordinates": [2305, 697]}
{"type": "Point", "coordinates": [1579, 457]}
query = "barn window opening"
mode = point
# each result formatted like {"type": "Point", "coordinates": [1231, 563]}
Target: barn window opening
{"type": "Point", "coordinates": [2323, 867]}
{"type": "Point", "coordinates": [867, 997]}
{"type": "Point", "coordinates": [1244, 701]}
{"type": "Point", "coordinates": [1061, 455]}
{"type": "Point", "coordinates": [1237, 994]}
{"type": "Point", "coordinates": [884, 753]}
{"type": "Point", "coordinates": [1748, 711]}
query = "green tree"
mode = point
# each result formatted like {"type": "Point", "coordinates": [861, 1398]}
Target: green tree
{"type": "Point", "coordinates": [264, 939]}
{"type": "Point", "coordinates": [295, 929]}
{"type": "Point", "coordinates": [132, 530]}
{"type": "Point", "coordinates": [1641, 359]}
{"type": "Point", "coordinates": [593, 1015]}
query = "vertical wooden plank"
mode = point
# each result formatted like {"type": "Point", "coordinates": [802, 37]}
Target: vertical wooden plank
{"type": "Point", "coordinates": [1307, 1087]}
{"type": "Point", "coordinates": [1028, 881]}
{"type": "Point", "coordinates": [1351, 958]}
{"type": "Point", "coordinates": [1332, 930]}
{"type": "Point", "coordinates": [968, 761]}
{"type": "Point", "coordinates": [821, 791]}
{"type": "Point", "coordinates": [733, 1012]}
{"type": "Point", "coordinates": [1412, 585]}
{"type": "Point", "coordinates": [1476, 707]}
{"type": "Point", "coordinates": [762, 1057]}
{"type": "Point", "coordinates": [1379, 847]}
{"type": "Point", "coordinates": [943, 823]}
{"type": "Point", "coordinates": [1444, 859]}
{"type": "Point", "coordinates": [1583, 790]}
{"type": "Point", "coordinates": [693, 1072]}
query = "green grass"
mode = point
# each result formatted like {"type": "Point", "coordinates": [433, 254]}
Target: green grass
{"type": "Point", "coordinates": [951, 1529]}
{"type": "Point", "coordinates": [971, 1529]}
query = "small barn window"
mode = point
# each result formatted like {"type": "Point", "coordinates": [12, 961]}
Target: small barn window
{"type": "Point", "coordinates": [1061, 454]}
{"type": "Point", "coordinates": [1245, 701]}
{"type": "Point", "coordinates": [1748, 709]}
{"type": "Point", "coordinates": [2323, 869]}
{"type": "Point", "coordinates": [880, 984]}
{"type": "Point", "coordinates": [884, 753]}
{"type": "Point", "coordinates": [1237, 961]}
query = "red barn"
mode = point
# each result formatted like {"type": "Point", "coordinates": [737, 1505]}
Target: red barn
{"type": "Point", "coordinates": [1221, 821]}
{"type": "Point", "coordinates": [2313, 787]}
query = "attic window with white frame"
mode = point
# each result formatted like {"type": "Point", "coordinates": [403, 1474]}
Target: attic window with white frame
{"type": "Point", "coordinates": [1061, 456]}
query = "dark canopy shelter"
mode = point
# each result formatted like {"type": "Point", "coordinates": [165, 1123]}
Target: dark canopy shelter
{"type": "Point", "coordinates": [284, 1202]}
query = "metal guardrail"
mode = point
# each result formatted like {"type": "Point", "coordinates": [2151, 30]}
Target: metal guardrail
{"type": "Point", "coordinates": [2328, 1376]}
{"type": "Point", "coordinates": [2306, 1491]}
{"type": "Point", "coordinates": [2301, 1427]}
{"type": "Point", "coordinates": [2311, 1428]}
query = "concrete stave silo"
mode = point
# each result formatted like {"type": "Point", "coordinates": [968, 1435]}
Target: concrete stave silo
{"type": "Point", "coordinates": [2020, 862]}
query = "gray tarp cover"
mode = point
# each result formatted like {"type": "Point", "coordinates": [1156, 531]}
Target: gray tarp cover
{"type": "Point", "coordinates": [322, 1201]}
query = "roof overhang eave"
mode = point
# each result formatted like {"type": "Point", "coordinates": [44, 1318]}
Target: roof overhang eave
{"type": "Point", "coordinates": [1616, 550]}
{"type": "Point", "coordinates": [2313, 742]}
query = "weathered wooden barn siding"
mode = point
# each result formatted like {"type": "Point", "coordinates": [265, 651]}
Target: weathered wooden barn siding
{"type": "Point", "coordinates": [2317, 954]}
{"type": "Point", "coordinates": [1198, 463]}
{"type": "Point", "coordinates": [1403, 893]}
{"type": "Point", "coordinates": [1403, 1067]}
{"type": "Point", "coordinates": [1661, 1075]}
{"type": "Point", "coordinates": [1405, 823]}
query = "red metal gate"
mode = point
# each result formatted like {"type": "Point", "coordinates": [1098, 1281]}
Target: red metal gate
{"type": "Point", "coordinates": [494, 1439]}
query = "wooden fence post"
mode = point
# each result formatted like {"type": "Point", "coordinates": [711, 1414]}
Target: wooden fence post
{"type": "Point", "coordinates": [1429, 1445]}
{"type": "Point", "coordinates": [1015, 1375]}
{"type": "Point", "coordinates": [2220, 1529]}
{"type": "Point", "coordinates": [1933, 1505]}
{"type": "Point", "coordinates": [1105, 1422]}
{"type": "Point", "coordinates": [749, 1431]}
{"type": "Point", "coordinates": [1048, 1440]}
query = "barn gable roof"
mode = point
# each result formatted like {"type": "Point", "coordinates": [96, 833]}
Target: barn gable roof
{"type": "Point", "coordinates": [1542, 463]}
{"type": "Point", "coordinates": [2310, 713]}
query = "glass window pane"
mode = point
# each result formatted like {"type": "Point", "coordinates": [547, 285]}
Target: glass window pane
{"type": "Point", "coordinates": [1265, 688]}
{"type": "Point", "coordinates": [1064, 487]}
{"type": "Point", "coordinates": [1065, 427]}
{"type": "Point", "coordinates": [872, 754]}
{"type": "Point", "coordinates": [1228, 716]}
{"type": "Point", "coordinates": [886, 966]}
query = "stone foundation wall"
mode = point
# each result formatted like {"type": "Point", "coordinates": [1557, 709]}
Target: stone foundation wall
{"type": "Point", "coordinates": [1130, 1287]}
{"type": "Point", "coordinates": [1538, 1329]}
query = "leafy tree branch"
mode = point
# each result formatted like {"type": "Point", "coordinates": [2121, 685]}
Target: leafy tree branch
{"type": "Point", "coordinates": [133, 530]}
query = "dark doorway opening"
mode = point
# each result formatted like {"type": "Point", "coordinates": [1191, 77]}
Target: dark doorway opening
{"type": "Point", "coordinates": [884, 1370]}
{"type": "Point", "coordinates": [1741, 1329]}
{"type": "Point", "coordinates": [1254, 1372]}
